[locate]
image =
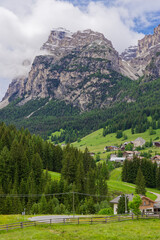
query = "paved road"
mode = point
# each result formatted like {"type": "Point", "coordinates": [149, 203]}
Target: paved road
{"type": "Point", "coordinates": [54, 218]}
{"type": "Point", "coordinates": [158, 196]}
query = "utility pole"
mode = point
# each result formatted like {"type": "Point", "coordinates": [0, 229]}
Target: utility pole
{"type": "Point", "coordinates": [73, 204]}
{"type": "Point", "coordinates": [125, 204]}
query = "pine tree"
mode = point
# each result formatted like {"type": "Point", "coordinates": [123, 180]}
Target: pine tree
{"type": "Point", "coordinates": [140, 183]}
{"type": "Point", "coordinates": [158, 178]}
{"type": "Point", "coordinates": [122, 204]}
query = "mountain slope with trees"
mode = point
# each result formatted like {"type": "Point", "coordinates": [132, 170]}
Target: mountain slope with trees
{"type": "Point", "coordinates": [24, 184]}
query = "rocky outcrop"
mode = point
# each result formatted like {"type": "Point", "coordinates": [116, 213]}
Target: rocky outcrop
{"type": "Point", "coordinates": [74, 67]}
{"type": "Point", "coordinates": [146, 62]}
{"type": "Point", "coordinates": [84, 69]}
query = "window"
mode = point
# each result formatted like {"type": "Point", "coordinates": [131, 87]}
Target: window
{"type": "Point", "coordinates": [144, 203]}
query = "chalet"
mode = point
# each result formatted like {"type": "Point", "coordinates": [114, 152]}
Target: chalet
{"type": "Point", "coordinates": [157, 207]}
{"type": "Point", "coordinates": [139, 142]}
{"type": "Point", "coordinates": [156, 159]}
{"type": "Point", "coordinates": [146, 206]}
{"type": "Point", "coordinates": [114, 158]}
{"type": "Point", "coordinates": [156, 144]}
{"type": "Point", "coordinates": [91, 154]}
{"type": "Point", "coordinates": [130, 154]}
{"type": "Point", "coordinates": [125, 144]}
{"type": "Point", "coordinates": [111, 148]}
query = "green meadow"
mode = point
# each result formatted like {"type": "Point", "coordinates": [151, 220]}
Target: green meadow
{"type": "Point", "coordinates": [96, 143]}
{"type": "Point", "coordinates": [128, 230]}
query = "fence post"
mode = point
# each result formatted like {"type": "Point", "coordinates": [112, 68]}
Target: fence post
{"type": "Point", "coordinates": [119, 218]}
{"type": "Point", "coordinates": [78, 220]}
{"type": "Point", "coordinates": [21, 224]}
{"type": "Point", "coordinates": [132, 216]}
{"type": "Point", "coordinates": [7, 227]}
{"type": "Point", "coordinates": [35, 223]}
{"type": "Point", "coordinates": [50, 221]}
{"type": "Point", "coordinates": [91, 220]}
{"type": "Point", "coordinates": [64, 220]}
{"type": "Point", "coordinates": [106, 220]}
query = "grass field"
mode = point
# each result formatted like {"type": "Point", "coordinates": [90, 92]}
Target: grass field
{"type": "Point", "coordinates": [95, 142]}
{"type": "Point", "coordinates": [54, 175]}
{"type": "Point", "coordinates": [129, 230]}
{"type": "Point", "coordinates": [5, 219]}
{"type": "Point", "coordinates": [116, 185]}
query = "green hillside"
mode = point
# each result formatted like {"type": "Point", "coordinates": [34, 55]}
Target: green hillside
{"type": "Point", "coordinates": [95, 141]}
{"type": "Point", "coordinates": [116, 185]}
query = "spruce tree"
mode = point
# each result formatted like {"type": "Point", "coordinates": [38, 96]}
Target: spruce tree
{"type": "Point", "coordinates": [158, 178]}
{"type": "Point", "coordinates": [140, 183]}
{"type": "Point", "coordinates": [122, 204]}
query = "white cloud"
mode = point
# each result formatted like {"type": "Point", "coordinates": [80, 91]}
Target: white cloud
{"type": "Point", "coordinates": [25, 26]}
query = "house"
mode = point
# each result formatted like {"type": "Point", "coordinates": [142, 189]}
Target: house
{"type": "Point", "coordinates": [146, 206]}
{"type": "Point", "coordinates": [157, 207]}
{"type": "Point", "coordinates": [114, 158]}
{"type": "Point", "coordinates": [156, 159]}
{"type": "Point", "coordinates": [91, 154]}
{"type": "Point", "coordinates": [139, 142]}
{"type": "Point", "coordinates": [111, 148]}
{"type": "Point", "coordinates": [156, 144]}
{"type": "Point", "coordinates": [125, 144]}
{"type": "Point", "coordinates": [130, 154]}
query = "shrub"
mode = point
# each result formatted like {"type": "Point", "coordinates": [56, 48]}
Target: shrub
{"type": "Point", "coordinates": [106, 211]}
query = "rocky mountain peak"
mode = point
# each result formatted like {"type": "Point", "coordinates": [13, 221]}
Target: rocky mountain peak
{"type": "Point", "coordinates": [149, 41]}
{"type": "Point", "coordinates": [82, 68]}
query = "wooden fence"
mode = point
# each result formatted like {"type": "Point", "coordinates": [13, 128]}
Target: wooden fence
{"type": "Point", "coordinates": [77, 220]}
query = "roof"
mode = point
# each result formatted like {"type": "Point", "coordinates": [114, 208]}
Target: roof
{"type": "Point", "coordinates": [116, 200]}
{"type": "Point", "coordinates": [115, 158]}
{"type": "Point", "coordinates": [130, 198]}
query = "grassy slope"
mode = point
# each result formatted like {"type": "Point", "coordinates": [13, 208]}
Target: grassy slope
{"type": "Point", "coordinates": [115, 184]}
{"type": "Point", "coordinates": [133, 230]}
{"type": "Point", "coordinates": [95, 142]}
{"type": "Point", "coordinates": [54, 175]}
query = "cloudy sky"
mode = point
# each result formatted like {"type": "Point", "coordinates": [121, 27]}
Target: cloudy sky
{"type": "Point", "coordinates": [25, 26]}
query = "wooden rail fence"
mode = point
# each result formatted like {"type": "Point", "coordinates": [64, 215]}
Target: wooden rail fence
{"type": "Point", "coordinates": [77, 220]}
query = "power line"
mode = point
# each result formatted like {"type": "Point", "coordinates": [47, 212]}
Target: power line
{"type": "Point", "coordinates": [50, 194]}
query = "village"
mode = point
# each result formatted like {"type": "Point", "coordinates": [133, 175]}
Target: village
{"type": "Point", "coordinates": [122, 153]}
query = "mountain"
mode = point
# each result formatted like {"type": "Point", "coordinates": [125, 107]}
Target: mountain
{"type": "Point", "coordinates": [80, 68]}
{"type": "Point", "coordinates": [80, 82]}
{"type": "Point", "coordinates": [146, 59]}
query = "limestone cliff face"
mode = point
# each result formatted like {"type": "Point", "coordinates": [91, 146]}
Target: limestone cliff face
{"type": "Point", "coordinates": [146, 62]}
{"type": "Point", "coordinates": [74, 67]}
{"type": "Point", "coordinates": [83, 68]}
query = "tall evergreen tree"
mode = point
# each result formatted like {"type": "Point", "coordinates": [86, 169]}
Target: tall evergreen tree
{"type": "Point", "coordinates": [140, 183]}
{"type": "Point", "coordinates": [122, 204]}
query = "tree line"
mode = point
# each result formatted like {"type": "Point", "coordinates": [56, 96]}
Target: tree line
{"type": "Point", "coordinates": [150, 171]}
{"type": "Point", "coordinates": [25, 184]}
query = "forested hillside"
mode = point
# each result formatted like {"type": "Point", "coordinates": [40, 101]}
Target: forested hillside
{"type": "Point", "coordinates": [44, 117]}
{"type": "Point", "coordinates": [25, 184]}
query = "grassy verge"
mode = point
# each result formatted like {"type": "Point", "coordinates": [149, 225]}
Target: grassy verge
{"type": "Point", "coordinates": [133, 230]}
{"type": "Point", "coordinates": [5, 219]}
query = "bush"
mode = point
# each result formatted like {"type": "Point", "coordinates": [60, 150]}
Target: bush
{"type": "Point", "coordinates": [119, 134]}
{"type": "Point", "coordinates": [106, 211]}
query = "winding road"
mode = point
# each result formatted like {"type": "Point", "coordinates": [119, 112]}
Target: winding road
{"type": "Point", "coordinates": [157, 194]}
